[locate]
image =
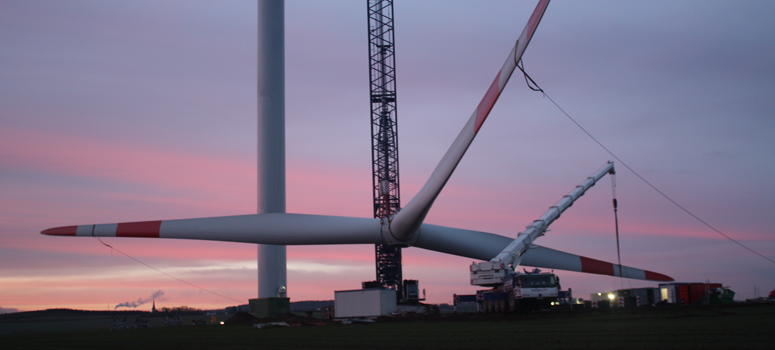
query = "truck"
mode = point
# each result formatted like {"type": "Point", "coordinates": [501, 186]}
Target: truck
{"type": "Point", "coordinates": [520, 291]}
{"type": "Point", "coordinates": [511, 290]}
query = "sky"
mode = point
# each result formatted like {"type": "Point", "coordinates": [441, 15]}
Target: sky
{"type": "Point", "coordinates": [146, 110]}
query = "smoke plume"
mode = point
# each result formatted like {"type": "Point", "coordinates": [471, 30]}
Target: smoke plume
{"type": "Point", "coordinates": [141, 301]}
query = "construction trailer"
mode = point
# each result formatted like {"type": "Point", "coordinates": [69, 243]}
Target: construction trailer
{"type": "Point", "coordinates": [632, 297]}
{"type": "Point", "coordinates": [371, 302]}
{"type": "Point", "coordinates": [640, 296]}
{"type": "Point", "coordinates": [695, 293]}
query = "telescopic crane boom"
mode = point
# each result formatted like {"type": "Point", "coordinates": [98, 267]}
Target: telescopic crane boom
{"type": "Point", "coordinates": [510, 257]}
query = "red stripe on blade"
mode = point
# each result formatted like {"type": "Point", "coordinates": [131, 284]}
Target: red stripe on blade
{"type": "Point", "coordinates": [487, 102]}
{"type": "Point", "coordinates": [658, 277]}
{"type": "Point", "coordinates": [596, 266]}
{"type": "Point", "coordinates": [532, 24]}
{"type": "Point", "coordinates": [139, 229]}
{"type": "Point", "coordinates": [61, 231]}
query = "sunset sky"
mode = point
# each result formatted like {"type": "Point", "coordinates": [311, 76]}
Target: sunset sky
{"type": "Point", "coordinates": [146, 110]}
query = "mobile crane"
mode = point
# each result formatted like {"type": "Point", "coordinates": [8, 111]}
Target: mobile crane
{"type": "Point", "coordinates": [512, 290]}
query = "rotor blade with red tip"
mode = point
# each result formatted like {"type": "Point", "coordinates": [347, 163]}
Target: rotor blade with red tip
{"type": "Point", "coordinates": [408, 220]}
{"type": "Point", "coordinates": [275, 228]}
{"type": "Point", "coordinates": [484, 246]}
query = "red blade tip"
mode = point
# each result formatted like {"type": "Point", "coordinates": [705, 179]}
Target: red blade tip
{"type": "Point", "coordinates": [61, 231]}
{"type": "Point", "coordinates": [658, 277]}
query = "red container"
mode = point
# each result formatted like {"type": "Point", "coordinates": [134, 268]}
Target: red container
{"type": "Point", "coordinates": [694, 293]}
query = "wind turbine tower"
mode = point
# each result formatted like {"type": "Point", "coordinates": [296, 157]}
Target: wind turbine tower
{"type": "Point", "coordinates": [272, 276]}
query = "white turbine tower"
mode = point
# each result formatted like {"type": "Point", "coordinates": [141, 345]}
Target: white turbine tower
{"type": "Point", "coordinates": [272, 278]}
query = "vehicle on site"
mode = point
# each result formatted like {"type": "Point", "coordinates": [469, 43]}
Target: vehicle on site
{"type": "Point", "coordinates": [520, 291]}
{"type": "Point", "coordinates": [512, 290]}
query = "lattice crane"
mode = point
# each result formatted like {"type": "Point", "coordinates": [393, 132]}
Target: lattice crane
{"type": "Point", "coordinates": [384, 130]}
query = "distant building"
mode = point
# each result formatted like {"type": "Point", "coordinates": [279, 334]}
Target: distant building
{"type": "Point", "coordinates": [670, 293]}
{"type": "Point", "coordinates": [153, 309]}
{"type": "Point", "coordinates": [694, 293]}
{"type": "Point", "coordinates": [631, 297]}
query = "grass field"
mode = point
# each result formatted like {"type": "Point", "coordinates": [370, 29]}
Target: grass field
{"type": "Point", "coordinates": [727, 327]}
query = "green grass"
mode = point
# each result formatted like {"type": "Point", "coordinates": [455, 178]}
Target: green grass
{"type": "Point", "coordinates": [747, 327]}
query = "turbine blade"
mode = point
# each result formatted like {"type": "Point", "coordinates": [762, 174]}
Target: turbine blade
{"type": "Point", "coordinates": [484, 246]}
{"type": "Point", "coordinates": [408, 220]}
{"type": "Point", "coordinates": [301, 229]}
{"type": "Point", "coordinates": [274, 228]}
{"type": "Point", "coordinates": [468, 243]}
{"type": "Point", "coordinates": [555, 259]}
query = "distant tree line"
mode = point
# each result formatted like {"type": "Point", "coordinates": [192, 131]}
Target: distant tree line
{"type": "Point", "coordinates": [181, 308]}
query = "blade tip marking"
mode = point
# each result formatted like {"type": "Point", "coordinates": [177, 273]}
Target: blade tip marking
{"type": "Point", "coordinates": [658, 277]}
{"type": "Point", "coordinates": [596, 266]}
{"type": "Point", "coordinates": [487, 102]}
{"type": "Point", "coordinates": [148, 229]}
{"type": "Point", "coordinates": [60, 231]}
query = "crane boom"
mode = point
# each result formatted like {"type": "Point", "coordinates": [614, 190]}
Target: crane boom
{"type": "Point", "coordinates": [486, 273]}
{"type": "Point", "coordinates": [513, 252]}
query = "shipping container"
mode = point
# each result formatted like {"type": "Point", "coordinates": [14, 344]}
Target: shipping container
{"type": "Point", "coordinates": [686, 293]}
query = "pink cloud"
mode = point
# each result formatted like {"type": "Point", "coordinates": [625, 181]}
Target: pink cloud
{"type": "Point", "coordinates": [215, 185]}
{"type": "Point", "coordinates": [36, 150]}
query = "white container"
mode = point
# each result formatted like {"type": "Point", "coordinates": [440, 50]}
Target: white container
{"type": "Point", "coordinates": [364, 302]}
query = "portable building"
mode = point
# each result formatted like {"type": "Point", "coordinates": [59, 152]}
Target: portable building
{"type": "Point", "coordinates": [370, 302]}
{"type": "Point", "coordinates": [647, 296]}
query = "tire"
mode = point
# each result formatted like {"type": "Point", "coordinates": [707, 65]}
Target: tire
{"type": "Point", "coordinates": [501, 306]}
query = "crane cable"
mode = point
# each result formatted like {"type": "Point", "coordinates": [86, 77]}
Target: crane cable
{"type": "Point", "coordinates": [527, 77]}
{"type": "Point", "coordinates": [160, 271]}
{"type": "Point", "coordinates": [616, 222]}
